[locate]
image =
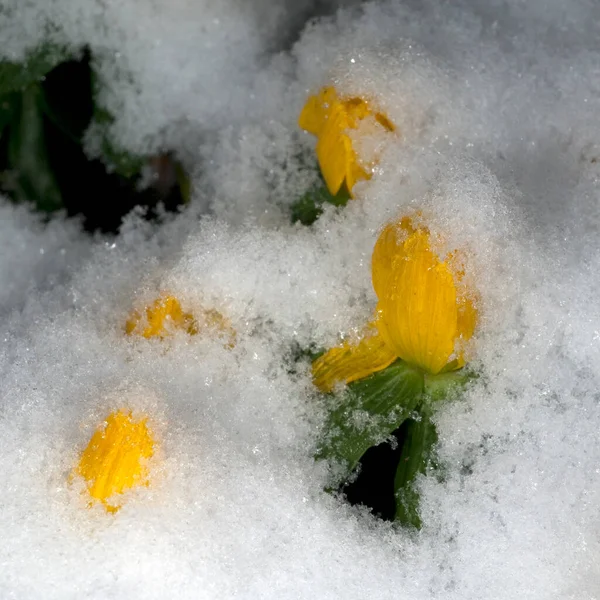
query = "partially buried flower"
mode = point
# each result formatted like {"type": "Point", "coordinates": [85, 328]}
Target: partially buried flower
{"type": "Point", "coordinates": [425, 313]}
{"type": "Point", "coordinates": [162, 316]}
{"type": "Point", "coordinates": [329, 118]}
{"type": "Point", "coordinates": [165, 316]}
{"type": "Point", "coordinates": [116, 458]}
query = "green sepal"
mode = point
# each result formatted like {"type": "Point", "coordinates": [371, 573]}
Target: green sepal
{"type": "Point", "coordinates": [368, 411]}
{"type": "Point", "coordinates": [419, 438]}
{"type": "Point", "coordinates": [310, 207]}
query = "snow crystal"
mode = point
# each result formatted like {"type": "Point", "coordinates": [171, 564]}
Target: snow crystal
{"type": "Point", "coordinates": [34, 257]}
{"type": "Point", "coordinates": [496, 109]}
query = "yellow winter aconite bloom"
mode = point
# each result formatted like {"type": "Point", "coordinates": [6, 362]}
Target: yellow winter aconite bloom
{"type": "Point", "coordinates": [329, 117]}
{"type": "Point", "coordinates": [165, 315]}
{"type": "Point", "coordinates": [425, 314]}
{"type": "Point", "coordinates": [115, 459]}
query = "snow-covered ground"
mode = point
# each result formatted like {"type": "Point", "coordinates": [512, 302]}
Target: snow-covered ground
{"type": "Point", "coordinates": [497, 106]}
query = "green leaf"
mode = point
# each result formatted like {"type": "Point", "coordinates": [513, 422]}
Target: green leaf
{"type": "Point", "coordinates": [30, 177]}
{"type": "Point", "coordinates": [369, 411]}
{"type": "Point", "coordinates": [8, 105]}
{"type": "Point", "coordinates": [310, 207]}
{"type": "Point", "coordinates": [67, 99]}
{"type": "Point", "coordinates": [419, 439]}
{"type": "Point", "coordinates": [15, 76]}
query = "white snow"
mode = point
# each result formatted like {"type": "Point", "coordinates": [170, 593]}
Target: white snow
{"type": "Point", "coordinates": [497, 107]}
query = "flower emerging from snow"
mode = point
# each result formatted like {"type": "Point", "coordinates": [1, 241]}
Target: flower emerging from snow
{"type": "Point", "coordinates": [329, 117]}
{"type": "Point", "coordinates": [115, 460]}
{"type": "Point", "coordinates": [424, 315]}
{"type": "Point", "coordinates": [165, 316]}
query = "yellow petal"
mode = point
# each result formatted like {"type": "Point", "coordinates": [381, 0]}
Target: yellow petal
{"type": "Point", "coordinates": [385, 122]}
{"type": "Point", "coordinates": [389, 247]}
{"type": "Point", "coordinates": [467, 318]}
{"type": "Point", "coordinates": [465, 327]}
{"type": "Point", "coordinates": [213, 321]}
{"type": "Point", "coordinates": [351, 362]}
{"type": "Point", "coordinates": [131, 325]}
{"type": "Point", "coordinates": [467, 298]}
{"type": "Point", "coordinates": [356, 109]}
{"type": "Point", "coordinates": [163, 315]}
{"type": "Point", "coordinates": [418, 306]}
{"type": "Point", "coordinates": [115, 459]}
{"type": "Point", "coordinates": [317, 109]}
{"type": "Point", "coordinates": [354, 171]}
{"type": "Point", "coordinates": [334, 150]}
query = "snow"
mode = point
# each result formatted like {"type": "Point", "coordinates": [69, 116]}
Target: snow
{"type": "Point", "coordinates": [496, 104]}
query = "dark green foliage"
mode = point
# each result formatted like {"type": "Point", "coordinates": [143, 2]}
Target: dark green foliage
{"type": "Point", "coordinates": [30, 176]}
{"type": "Point", "coordinates": [46, 106]}
{"type": "Point", "coordinates": [26, 173]}
{"type": "Point", "coordinates": [15, 77]}
{"type": "Point", "coordinates": [369, 411]}
{"type": "Point", "coordinates": [310, 207]}
{"type": "Point", "coordinates": [419, 439]}
{"type": "Point", "coordinates": [381, 433]}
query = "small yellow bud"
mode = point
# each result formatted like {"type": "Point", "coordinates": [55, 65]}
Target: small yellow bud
{"type": "Point", "coordinates": [166, 315]}
{"type": "Point", "coordinates": [163, 315]}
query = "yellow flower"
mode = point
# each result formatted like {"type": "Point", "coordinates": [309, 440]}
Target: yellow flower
{"type": "Point", "coordinates": [166, 315]}
{"type": "Point", "coordinates": [115, 460]}
{"type": "Point", "coordinates": [329, 118]}
{"type": "Point", "coordinates": [425, 314]}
